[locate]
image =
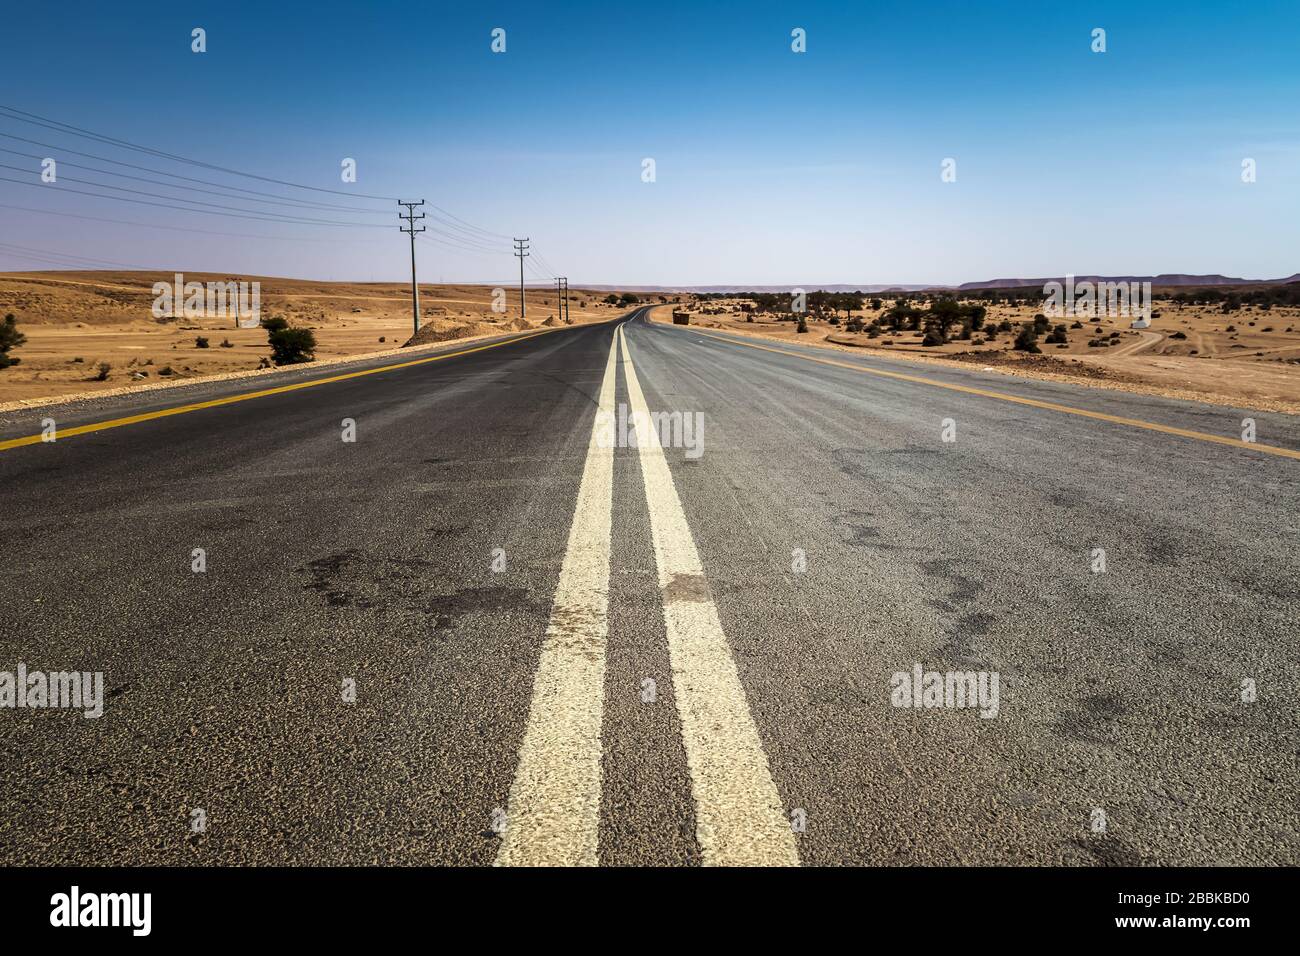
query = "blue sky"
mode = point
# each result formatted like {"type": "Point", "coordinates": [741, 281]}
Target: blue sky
{"type": "Point", "coordinates": [771, 167]}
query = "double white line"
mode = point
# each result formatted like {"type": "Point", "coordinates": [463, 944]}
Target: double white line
{"type": "Point", "coordinates": [554, 812]}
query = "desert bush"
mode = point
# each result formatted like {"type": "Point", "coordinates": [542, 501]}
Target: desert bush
{"type": "Point", "coordinates": [200, 342]}
{"type": "Point", "coordinates": [10, 338]}
{"type": "Point", "coordinates": [227, 344]}
{"type": "Point", "coordinates": [102, 374]}
{"type": "Point", "coordinates": [803, 325]}
{"type": "Point", "coordinates": [1027, 339]}
{"type": "Point", "coordinates": [290, 346]}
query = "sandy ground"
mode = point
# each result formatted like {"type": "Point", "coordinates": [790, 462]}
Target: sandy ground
{"type": "Point", "coordinates": [74, 321]}
{"type": "Point", "coordinates": [1249, 357]}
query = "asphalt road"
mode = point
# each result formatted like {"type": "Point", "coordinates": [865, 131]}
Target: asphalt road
{"type": "Point", "coordinates": [566, 652]}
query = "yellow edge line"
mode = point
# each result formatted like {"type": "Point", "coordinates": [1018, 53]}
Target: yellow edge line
{"type": "Point", "coordinates": [245, 396]}
{"type": "Point", "coordinates": [1033, 403]}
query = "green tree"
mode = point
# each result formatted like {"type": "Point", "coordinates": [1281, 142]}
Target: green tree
{"type": "Point", "coordinates": [1027, 339]}
{"type": "Point", "coordinates": [10, 338]}
{"type": "Point", "coordinates": [289, 346]}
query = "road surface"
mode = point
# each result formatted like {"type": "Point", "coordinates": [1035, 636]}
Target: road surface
{"type": "Point", "coordinates": [479, 634]}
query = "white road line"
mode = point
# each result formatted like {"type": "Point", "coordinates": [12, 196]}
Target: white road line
{"type": "Point", "coordinates": [738, 812]}
{"type": "Point", "coordinates": [554, 814]}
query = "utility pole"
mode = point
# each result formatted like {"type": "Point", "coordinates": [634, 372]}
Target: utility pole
{"type": "Point", "coordinates": [565, 280]}
{"type": "Point", "coordinates": [559, 309]}
{"type": "Point", "coordinates": [521, 252]}
{"type": "Point", "coordinates": [410, 218]}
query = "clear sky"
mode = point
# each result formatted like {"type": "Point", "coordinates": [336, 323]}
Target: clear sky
{"type": "Point", "coordinates": [772, 167]}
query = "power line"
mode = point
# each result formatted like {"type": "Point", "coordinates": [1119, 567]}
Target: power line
{"type": "Point", "coordinates": [455, 222]}
{"type": "Point", "coordinates": [451, 229]}
{"type": "Point", "coordinates": [231, 215]}
{"type": "Point", "coordinates": [537, 271]}
{"type": "Point", "coordinates": [456, 242]}
{"type": "Point", "coordinates": [464, 249]}
{"type": "Point", "coordinates": [196, 202]}
{"type": "Point", "coordinates": [280, 201]}
{"type": "Point", "coordinates": [464, 232]}
{"type": "Point", "coordinates": [465, 243]}
{"type": "Point", "coordinates": [152, 225]}
{"type": "Point", "coordinates": [546, 266]}
{"type": "Point", "coordinates": [486, 232]}
{"type": "Point", "coordinates": [62, 258]}
{"type": "Point", "coordinates": [37, 120]}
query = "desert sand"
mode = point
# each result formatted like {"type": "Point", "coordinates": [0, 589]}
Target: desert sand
{"type": "Point", "coordinates": [1250, 357]}
{"type": "Point", "coordinates": [76, 321]}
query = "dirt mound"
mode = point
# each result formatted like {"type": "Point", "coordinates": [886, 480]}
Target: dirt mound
{"type": "Point", "coordinates": [1043, 363]}
{"type": "Point", "coordinates": [437, 331]}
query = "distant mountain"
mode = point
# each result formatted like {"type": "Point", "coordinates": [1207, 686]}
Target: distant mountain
{"type": "Point", "coordinates": [1165, 279]}
{"type": "Point", "coordinates": [809, 287]}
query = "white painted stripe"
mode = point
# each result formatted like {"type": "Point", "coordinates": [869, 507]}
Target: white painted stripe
{"type": "Point", "coordinates": [738, 812]}
{"type": "Point", "coordinates": [553, 817]}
